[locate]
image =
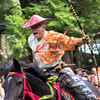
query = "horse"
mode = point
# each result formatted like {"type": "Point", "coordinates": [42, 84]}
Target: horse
{"type": "Point", "coordinates": [27, 83]}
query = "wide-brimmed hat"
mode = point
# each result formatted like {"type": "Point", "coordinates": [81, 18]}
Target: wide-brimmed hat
{"type": "Point", "coordinates": [35, 19]}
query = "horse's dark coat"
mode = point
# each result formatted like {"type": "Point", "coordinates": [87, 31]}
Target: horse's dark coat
{"type": "Point", "coordinates": [13, 85]}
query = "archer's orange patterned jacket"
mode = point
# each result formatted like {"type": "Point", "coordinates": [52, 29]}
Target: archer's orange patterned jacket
{"type": "Point", "coordinates": [53, 45]}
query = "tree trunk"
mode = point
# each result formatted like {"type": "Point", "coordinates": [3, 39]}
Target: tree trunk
{"type": "Point", "coordinates": [68, 57]}
{"type": "Point", "coordinates": [3, 52]}
{"type": "Point", "coordinates": [77, 58]}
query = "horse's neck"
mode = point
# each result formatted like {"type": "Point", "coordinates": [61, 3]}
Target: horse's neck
{"type": "Point", "coordinates": [39, 87]}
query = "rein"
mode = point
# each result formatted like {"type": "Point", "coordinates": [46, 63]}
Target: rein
{"type": "Point", "coordinates": [30, 93]}
{"type": "Point", "coordinates": [25, 90]}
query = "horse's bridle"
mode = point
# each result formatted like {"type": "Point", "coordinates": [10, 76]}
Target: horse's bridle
{"type": "Point", "coordinates": [25, 89]}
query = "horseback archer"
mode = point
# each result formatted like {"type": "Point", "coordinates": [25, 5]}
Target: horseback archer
{"type": "Point", "coordinates": [48, 47]}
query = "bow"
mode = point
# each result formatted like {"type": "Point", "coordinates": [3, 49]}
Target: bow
{"type": "Point", "coordinates": [83, 33]}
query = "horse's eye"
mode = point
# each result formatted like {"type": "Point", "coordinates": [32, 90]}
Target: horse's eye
{"type": "Point", "coordinates": [20, 82]}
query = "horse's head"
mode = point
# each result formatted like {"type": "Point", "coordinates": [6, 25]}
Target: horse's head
{"type": "Point", "coordinates": [16, 83]}
{"type": "Point", "coordinates": [13, 84]}
{"type": "Point", "coordinates": [17, 76]}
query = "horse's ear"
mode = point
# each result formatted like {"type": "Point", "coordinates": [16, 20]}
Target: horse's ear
{"type": "Point", "coordinates": [16, 65]}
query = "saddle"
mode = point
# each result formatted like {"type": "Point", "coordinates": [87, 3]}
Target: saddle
{"type": "Point", "coordinates": [62, 93]}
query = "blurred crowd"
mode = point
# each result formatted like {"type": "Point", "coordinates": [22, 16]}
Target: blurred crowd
{"type": "Point", "coordinates": [92, 76]}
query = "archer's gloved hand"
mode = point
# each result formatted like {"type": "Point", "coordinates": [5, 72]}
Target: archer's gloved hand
{"type": "Point", "coordinates": [85, 39]}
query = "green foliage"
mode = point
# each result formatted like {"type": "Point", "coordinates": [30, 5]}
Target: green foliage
{"type": "Point", "coordinates": [16, 36]}
{"type": "Point", "coordinates": [88, 12]}
{"type": "Point", "coordinates": [11, 14]}
{"type": "Point", "coordinates": [9, 7]}
{"type": "Point", "coordinates": [15, 47]}
{"type": "Point", "coordinates": [15, 26]}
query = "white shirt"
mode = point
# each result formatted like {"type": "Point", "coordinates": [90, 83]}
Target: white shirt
{"type": "Point", "coordinates": [33, 43]}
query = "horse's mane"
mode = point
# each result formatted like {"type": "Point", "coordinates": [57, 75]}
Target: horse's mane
{"type": "Point", "coordinates": [8, 67]}
{"type": "Point", "coordinates": [31, 68]}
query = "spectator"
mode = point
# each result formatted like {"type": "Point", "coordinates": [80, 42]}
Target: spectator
{"type": "Point", "coordinates": [83, 75]}
{"type": "Point", "coordinates": [93, 78]}
{"type": "Point", "coordinates": [1, 89]}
